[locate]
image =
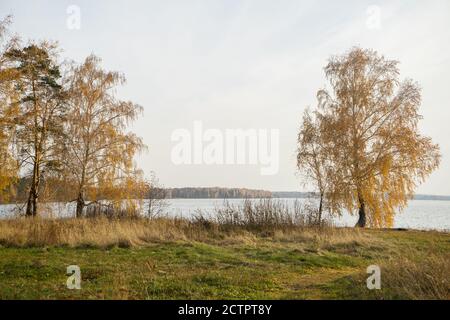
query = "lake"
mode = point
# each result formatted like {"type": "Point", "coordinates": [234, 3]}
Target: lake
{"type": "Point", "coordinates": [420, 214]}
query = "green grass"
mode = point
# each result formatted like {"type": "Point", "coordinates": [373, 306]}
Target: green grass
{"type": "Point", "coordinates": [268, 268]}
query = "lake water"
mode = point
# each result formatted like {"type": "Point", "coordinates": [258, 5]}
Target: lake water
{"type": "Point", "coordinates": [420, 214]}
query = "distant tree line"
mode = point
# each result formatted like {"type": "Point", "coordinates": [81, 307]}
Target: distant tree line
{"type": "Point", "coordinates": [216, 193]}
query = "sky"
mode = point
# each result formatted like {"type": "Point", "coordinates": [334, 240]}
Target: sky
{"type": "Point", "coordinates": [250, 65]}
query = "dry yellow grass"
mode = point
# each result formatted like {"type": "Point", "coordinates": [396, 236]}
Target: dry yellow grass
{"type": "Point", "coordinates": [103, 232]}
{"type": "Point", "coordinates": [88, 232]}
{"type": "Point", "coordinates": [419, 276]}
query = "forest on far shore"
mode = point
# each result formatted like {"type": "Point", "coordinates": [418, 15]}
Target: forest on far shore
{"type": "Point", "coordinates": [191, 193]}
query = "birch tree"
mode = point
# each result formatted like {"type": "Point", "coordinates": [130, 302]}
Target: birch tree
{"type": "Point", "coordinates": [313, 159]}
{"type": "Point", "coordinates": [99, 152]}
{"type": "Point", "coordinates": [370, 118]}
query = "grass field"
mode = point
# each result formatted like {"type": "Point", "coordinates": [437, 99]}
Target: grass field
{"type": "Point", "coordinates": [164, 259]}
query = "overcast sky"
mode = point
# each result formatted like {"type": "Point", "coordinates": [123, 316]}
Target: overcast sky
{"type": "Point", "coordinates": [245, 64]}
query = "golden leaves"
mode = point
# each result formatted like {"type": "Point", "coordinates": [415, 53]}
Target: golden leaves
{"type": "Point", "coordinates": [100, 152]}
{"type": "Point", "coordinates": [368, 131]}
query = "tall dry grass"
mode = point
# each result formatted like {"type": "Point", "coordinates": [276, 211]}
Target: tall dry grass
{"type": "Point", "coordinates": [103, 232]}
{"type": "Point", "coordinates": [264, 213]}
{"type": "Point", "coordinates": [98, 232]}
{"type": "Point", "coordinates": [418, 276]}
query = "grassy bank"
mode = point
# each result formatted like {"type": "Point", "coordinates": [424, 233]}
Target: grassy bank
{"type": "Point", "coordinates": [171, 259]}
